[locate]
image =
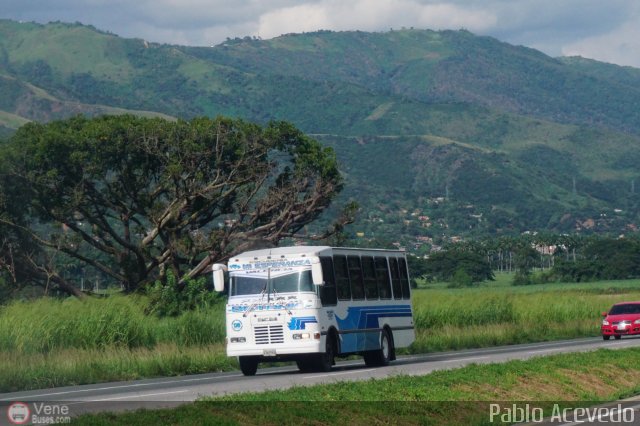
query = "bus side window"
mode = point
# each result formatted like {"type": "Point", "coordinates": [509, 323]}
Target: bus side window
{"type": "Point", "coordinates": [369, 273]}
{"type": "Point", "coordinates": [404, 278]}
{"type": "Point", "coordinates": [328, 295]}
{"type": "Point", "coordinates": [342, 277]}
{"type": "Point", "coordinates": [355, 274]}
{"type": "Point", "coordinates": [395, 278]}
{"type": "Point", "coordinates": [382, 276]}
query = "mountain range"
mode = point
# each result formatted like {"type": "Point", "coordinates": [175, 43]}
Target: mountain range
{"type": "Point", "coordinates": [440, 134]}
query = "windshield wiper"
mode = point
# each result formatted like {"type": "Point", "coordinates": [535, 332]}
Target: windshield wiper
{"type": "Point", "coordinates": [254, 304]}
{"type": "Point", "coordinates": [283, 303]}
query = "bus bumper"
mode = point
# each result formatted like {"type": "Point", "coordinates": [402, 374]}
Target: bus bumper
{"type": "Point", "coordinates": [276, 351]}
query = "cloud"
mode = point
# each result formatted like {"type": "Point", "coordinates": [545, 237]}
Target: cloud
{"type": "Point", "coordinates": [371, 16]}
{"type": "Point", "coordinates": [550, 25]}
{"type": "Point", "coordinates": [200, 22]}
{"type": "Point", "coordinates": [620, 46]}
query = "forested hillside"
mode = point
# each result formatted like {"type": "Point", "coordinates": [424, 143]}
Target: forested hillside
{"type": "Point", "coordinates": [438, 134]}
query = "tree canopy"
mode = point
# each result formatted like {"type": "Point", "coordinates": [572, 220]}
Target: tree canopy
{"type": "Point", "coordinates": [602, 259]}
{"type": "Point", "coordinates": [132, 197]}
{"type": "Point", "coordinates": [444, 265]}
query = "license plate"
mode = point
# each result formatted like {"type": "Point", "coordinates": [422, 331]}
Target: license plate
{"type": "Point", "coordinates": [269, 352]}
{"type": "Point", "coordinates": [622, 326]}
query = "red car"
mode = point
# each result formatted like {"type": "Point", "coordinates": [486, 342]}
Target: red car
{"type": "Point", "coordinates": [622, 318]}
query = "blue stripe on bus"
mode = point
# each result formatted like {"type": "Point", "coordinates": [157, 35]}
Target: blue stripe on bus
{"type": "Point", "coordinates": [359, 317]}
{"type": "Point", "coordinates": [366, 317]}
{"type": "Point", "coordinates": [299, 323]}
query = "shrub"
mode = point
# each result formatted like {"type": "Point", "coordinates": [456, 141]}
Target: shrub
{"type": "Point", "coordinates": [171, 299]}
{"type": "Point", "coordinates": [522, 277]}
{"type": "Point", "coordinates": [543, 277]}
{"type": "Point", "coordinates": [461, 279]}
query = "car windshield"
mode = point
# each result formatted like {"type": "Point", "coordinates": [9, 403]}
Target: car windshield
{"type": "Point", "coordinates": [630, 308]}
{"type": "Point", "coordinates": [246, 284]}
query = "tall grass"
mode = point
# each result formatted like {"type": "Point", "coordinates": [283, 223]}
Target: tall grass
{"type": "Point", "coordinates": [82, 366]}
{"type": "Point", "coordinates": [45, 325]}
{"type": "Point", "coordinates": [448, 319]}
{"type": "Point", "coordinates": [51, 342]}
{"type": "Point", "coordinates": [440, 309]}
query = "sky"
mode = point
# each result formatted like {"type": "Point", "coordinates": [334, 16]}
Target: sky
{"type": "Point", "coordinates": [606, 30]}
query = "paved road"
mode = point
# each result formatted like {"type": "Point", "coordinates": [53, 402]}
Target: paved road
{"type": "Point", "coordinates": [171, 391]}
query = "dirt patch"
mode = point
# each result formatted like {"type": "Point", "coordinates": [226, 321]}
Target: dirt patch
{"type": "Point", "coordinates": [602, 382]}
{"type": "Point", "coordinates": [561, 384]}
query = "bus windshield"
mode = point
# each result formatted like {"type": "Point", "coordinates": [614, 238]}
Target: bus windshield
{"type": "Point", "coordinates": [242, 285]}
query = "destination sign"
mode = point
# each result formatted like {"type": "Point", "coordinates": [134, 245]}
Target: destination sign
{"type": "Point", "coordinates": [266, 264]}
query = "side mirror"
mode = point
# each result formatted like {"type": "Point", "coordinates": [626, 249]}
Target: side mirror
{"type": "Point", "coordinates": [218, 271]}
{"type": "Point", "coordinates": [316, 272]}
{"type": "Point", "coordinates": [604, 314]}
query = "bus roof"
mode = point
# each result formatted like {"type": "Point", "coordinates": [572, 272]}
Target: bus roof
{"type": "Point", "coordinates": [303, 251]}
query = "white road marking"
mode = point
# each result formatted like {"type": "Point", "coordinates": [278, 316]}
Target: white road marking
{"type": "Point", "coordinates": [115, 398]}
{"type": "Point", "coordinates": [466, 359]}
{"type": "Point", "coordinates": [134, 385]}
{"type": "Point", "coordinates": [339, 374]}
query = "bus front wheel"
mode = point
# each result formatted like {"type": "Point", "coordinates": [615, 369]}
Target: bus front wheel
{"type": "Point", "coordinates": [248, 365]}
{"type": "Point", "coordinates": [326, 360]}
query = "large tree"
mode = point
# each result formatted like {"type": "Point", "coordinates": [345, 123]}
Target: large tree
{"type": "Point", "coordinates": [443, 265]}
{"type": "Point", "coordinates": [133, 197]}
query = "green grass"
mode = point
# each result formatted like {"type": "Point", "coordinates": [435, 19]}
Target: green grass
{"type": "Point", "coordinates": [51, 342]}
{"type": "Point", "coordinates": [459, 396]}
{"type": "Point", "coordinates": [68, 48]}
{"type": "Point", "coordinates": [86, 366]}
{"type": "Point", "coordinates": [46, 325]}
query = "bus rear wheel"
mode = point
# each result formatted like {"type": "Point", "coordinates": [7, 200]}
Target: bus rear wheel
{"type": "Point", "coordinates": [382, 356]}
{"type": "Point", "coordinates": [248, 365]}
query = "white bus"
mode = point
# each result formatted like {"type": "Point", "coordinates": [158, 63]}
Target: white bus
{"type": "Point", "coordinates": [311, 304]}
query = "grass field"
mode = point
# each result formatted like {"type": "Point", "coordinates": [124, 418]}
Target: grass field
{"type": "Point", "coordinates": [497, 313]}
{"type": "Point", "coordinates": [51, 342]}
{"type": "Point", "coordinates": [459, 396]}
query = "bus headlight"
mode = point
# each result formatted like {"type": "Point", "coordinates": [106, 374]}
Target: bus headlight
{"type": "Point", "coordinates": [238, 340]}
{"type": "Point", "coordinates": [299, 336]}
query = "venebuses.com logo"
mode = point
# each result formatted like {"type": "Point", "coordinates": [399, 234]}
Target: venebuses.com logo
{"type": "Point", "coordinates": [38, 413]}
